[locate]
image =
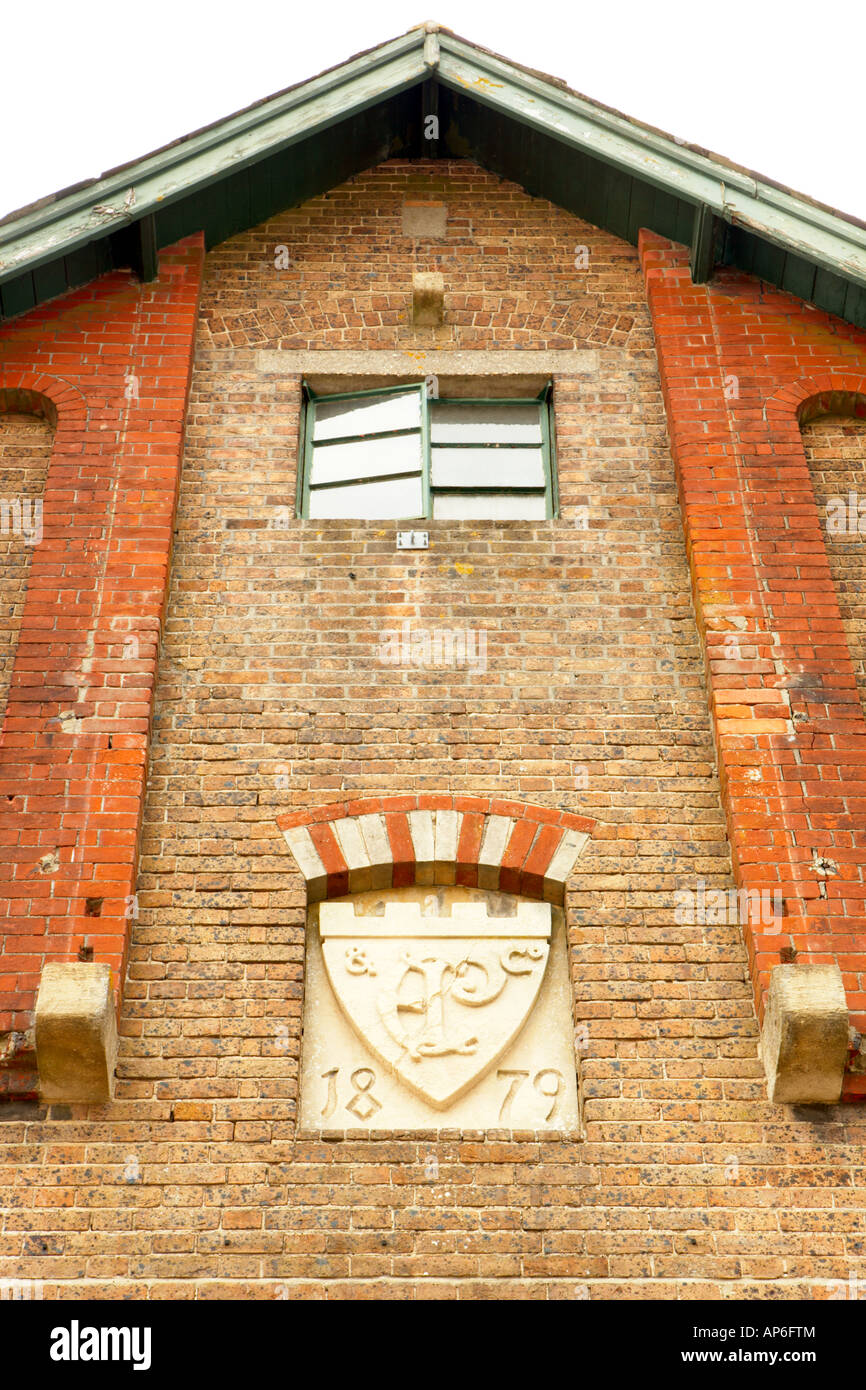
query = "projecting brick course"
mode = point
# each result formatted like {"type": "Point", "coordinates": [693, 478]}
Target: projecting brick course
{"type": "Point", "coordinates": [793, 783]}
{"type": "Point", "coordinates": [109, 365]}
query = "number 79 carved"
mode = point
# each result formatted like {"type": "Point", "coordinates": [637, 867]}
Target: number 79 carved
{"type": "Point", "coordinates": [541, 1084]}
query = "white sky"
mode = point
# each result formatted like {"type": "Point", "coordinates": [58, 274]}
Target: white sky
{"type": "Point", "coordinates": [88, 84]}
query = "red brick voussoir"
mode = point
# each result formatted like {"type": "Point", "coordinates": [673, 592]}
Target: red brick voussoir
{"type": "Point", "coordinates": [393, 841]}
{"type": "Point", "coordinates": [742, 364]}
{"type": "Point", "coordinates": [110, 366]}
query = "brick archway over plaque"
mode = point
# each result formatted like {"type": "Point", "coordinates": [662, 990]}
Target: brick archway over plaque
{"type": "Point", "coordinates": [477, 842]}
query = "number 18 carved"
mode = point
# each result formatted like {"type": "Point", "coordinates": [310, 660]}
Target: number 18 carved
{"type": "Point", "coordinates": [362, 1102]}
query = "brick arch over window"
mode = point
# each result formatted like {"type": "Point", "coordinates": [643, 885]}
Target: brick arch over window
{"type": "Point", "coordinates": [838, 652]}
{"type": "Point", "coordinates": [62, 407]}
{"type": "Point", "coordinates": [826, 393]}
{"type": "Point", "coordinates": [50, 397]}
{"type": "Point", "coordinates": [16, 400]}
{"type": "Point", "coordinates": [479, 842]}
{"type": "Point", "coordinates": [27, 425]}
{"type": "Point", "coordinates": [833, 433]}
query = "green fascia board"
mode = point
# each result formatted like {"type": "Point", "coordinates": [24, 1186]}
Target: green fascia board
{"type": "Point", "coordinates": [732, 194]}
{"type": "Point", "coordinates": [201, 160]}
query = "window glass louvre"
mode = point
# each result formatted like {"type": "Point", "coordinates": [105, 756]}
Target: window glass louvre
{"type": "Point", "coordinates": [491, 506]}
{"type": "Point", "coordinates": [365, 455]}
{"type": "Point", "coordinates": [354, 415]}
{"type": "Point", "coordinates": [495, 468]}
{"type": "Point", "coordinates": [390, 499]}
{"type": "Point", "coordinates": [494, 423]}
{"type": "Point", "coordinates": [365, 458]}
{"type": "Point", "coordinates": [394, 453]}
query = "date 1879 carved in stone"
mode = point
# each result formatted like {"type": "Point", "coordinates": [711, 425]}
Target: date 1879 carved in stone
{"type": "Point", "coordinates": [430, 1010]}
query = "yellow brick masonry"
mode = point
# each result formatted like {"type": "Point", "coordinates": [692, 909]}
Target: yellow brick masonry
{"type": "Point", "coordinates": [270, 698]}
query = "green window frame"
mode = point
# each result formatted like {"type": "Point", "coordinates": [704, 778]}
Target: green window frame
{"type": "Point", "coordinates": [424, 477]}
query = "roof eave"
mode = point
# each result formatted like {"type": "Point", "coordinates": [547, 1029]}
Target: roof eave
{"type": "Point", "coordinates": [716, 188]}
{"type": "Point", "coordinates": [143, 187]}
{"type": "Point", "coordinates": [836, 243]}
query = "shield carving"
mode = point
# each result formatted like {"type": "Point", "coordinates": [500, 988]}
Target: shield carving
{"type": "Point", "coordinates": [437, 999]}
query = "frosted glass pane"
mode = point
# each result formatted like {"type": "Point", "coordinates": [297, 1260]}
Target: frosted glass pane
{"type": "Point", "coordinates": [399, 497]}
{"type": "Point", "coordinates": [490, 506]}
{"type": "Point", "coordinates": [463, 424]}
{"type": "Point", "coordinates": [365, 458]}
{"type": "Point", "coordinates": [369, 415]}
{"type": "Point", "coordinates": [487, 467]}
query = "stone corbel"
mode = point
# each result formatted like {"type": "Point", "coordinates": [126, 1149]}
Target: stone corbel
{"type": "Point", "coordinates": [804, 1041]}
{"type": "Point", "coordinates": [76, 1033]}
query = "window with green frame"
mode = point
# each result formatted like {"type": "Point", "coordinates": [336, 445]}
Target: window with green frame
{"type": "Point", "coordinates": [397, 453]}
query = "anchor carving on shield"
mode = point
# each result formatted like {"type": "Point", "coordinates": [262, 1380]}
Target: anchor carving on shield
{"type": "Point", "coordinates": [437, 999]}
{"type": "Point", "coordinates": [434, 976]}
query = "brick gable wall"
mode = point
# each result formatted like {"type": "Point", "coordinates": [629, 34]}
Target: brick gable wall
{"type": "Point", "coordinates": [502, 290]}
{"type": "Point", "coordinates": [271, 700]}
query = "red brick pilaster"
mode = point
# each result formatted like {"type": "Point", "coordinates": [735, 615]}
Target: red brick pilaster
{"type": "Point", "coordinates": [114, 360]}
{"type": "Point", "coordinates": [739, 363]}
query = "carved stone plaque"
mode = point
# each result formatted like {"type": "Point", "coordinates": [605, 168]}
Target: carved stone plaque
{"type": "Point", "coordinates": [427, 1010]}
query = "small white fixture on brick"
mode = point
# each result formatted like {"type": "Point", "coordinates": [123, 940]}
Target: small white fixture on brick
{"type": "Point", "coordinates": [413, 540]}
